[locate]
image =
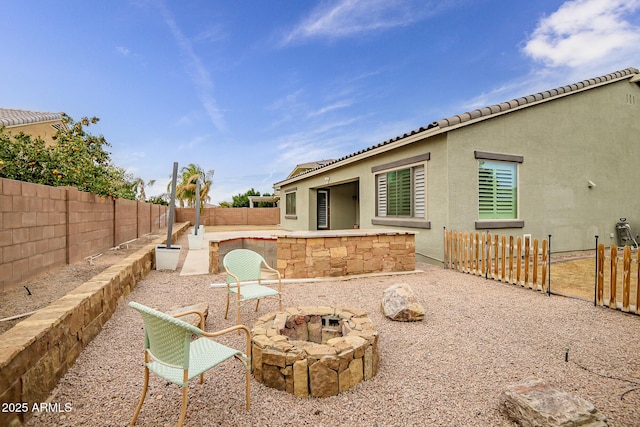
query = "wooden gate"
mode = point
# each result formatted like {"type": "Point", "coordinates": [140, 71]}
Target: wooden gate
{"type": "Point", "coordinates": [516, 260]}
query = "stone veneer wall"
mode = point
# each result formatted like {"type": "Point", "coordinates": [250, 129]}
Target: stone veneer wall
{"type": "Point", "coordinates": [333, 254]}
{"type": "Point", "coordinates": [218, 249]}
{"type": "Point", "coordinates": [39, 350]}
{"type": "Point", "coordinates": [336, 255]}
{"type": "Point", "coordinates": [297, 351]}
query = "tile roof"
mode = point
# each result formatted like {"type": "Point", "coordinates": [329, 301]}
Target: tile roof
{"type": "Point", "coordinates": [9, 117]}
{"type": "Point", "coordinates": [495, 110]}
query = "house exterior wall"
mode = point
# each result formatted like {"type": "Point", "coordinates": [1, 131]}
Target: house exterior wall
{"type": "Point", "coordinates": [588, 136]}
{"type": "Point", "coordinates": [425, 239]}
{"type": "Point", "coordinates": [585, 136]}
{"type": "Point", "coordinates": [42, 130]}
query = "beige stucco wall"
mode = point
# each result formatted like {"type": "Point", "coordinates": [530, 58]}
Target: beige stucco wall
{"type": "Point", "coordinates": [588, 136]}
{"type": "Point", "coordinates": [42, 130]}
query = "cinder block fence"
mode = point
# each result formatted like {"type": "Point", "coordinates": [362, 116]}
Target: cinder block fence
{"type": "Point", "coordinates": [44, 227]}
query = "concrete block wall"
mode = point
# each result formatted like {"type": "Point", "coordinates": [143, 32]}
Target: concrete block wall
{"type": "Point", "coordinates": [33, 230]}
{"type": "Point", "coordinates": [230, 216]}
{"type": "Point", "coordinates": [43, 227]}
{"type": "Point", "coordinates": [39, 350]}
{"type": "Point", "coordinates": [90, 224]}
{"type": "Point", "coordinates": [126, 215]}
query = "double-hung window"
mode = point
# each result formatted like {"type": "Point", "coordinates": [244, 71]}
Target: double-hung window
{"type": "Point", "coordinates": [400, 193]}
{"type": "Point", "coordinates": [290, 203]}
{"type": "Point", "coordinates": [498, 190]}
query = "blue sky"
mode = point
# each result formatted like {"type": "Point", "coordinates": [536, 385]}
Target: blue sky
{"type": "Point", "coordinates": [252, 88]}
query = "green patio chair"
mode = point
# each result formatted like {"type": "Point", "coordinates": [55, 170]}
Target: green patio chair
{"type": "Point", "coordinates": [172, 353]}
{"type": "Point", "coordinates": [245, 269]}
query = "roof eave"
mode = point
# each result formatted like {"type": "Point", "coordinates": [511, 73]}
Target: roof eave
{"type": "Point", "coordinates": [364, 154]}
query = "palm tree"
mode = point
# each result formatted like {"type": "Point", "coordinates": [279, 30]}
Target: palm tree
{"type": "Point", "coordinates": [186, 188]}
{"type": "Point", "coordinates": [139, 186]}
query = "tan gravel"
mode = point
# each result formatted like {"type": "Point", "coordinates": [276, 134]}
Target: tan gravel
{"type": "Point", "coordinates": [478, 336]}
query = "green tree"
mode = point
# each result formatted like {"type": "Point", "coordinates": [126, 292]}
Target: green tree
{"type": "Point", "coordinates": [242, 200]}
{"type": "Point", "coordinates": [186, 187]}
{"type": "Point", "coordinates": [77, 158]}
{"type": "Point", "coordinates": [162, 199]}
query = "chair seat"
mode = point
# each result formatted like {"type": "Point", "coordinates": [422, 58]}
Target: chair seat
{"type": "Point", "coordinates": [204, 354]}
{"type": "Point", "coordinates": [248, 292]}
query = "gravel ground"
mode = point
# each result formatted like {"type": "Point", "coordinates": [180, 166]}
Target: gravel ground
{"type": "Point", "coordinates": [477, 337]}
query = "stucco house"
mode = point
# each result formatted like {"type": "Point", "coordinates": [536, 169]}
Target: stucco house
{"type": "Point", "coordinates": [564, 162]}
{"type": "Point", "coordinates": [37, 124]}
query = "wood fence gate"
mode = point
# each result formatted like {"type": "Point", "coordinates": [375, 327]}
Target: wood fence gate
{"type": "Point", "coordinates": [519, 261]}
{"type": "Point", "coordinates": [607, 293]}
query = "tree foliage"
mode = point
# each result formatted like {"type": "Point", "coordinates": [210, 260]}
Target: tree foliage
{"type": "Point", "coordinates": [186, 185]}
{"type": "Point", "coordinates": [242, 200]}
{"type": "Point", "coordinates": [76, 158]}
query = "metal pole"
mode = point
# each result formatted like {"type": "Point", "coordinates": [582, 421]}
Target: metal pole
{"type": "Point", "coordinates": [486, 272]}
{"type": "Point", "coordinates": [172, 203]}
{"type": "Point", "coordinates": [444, 243]}
{"type": "Point", "coordinates": [197, 206]}
{"type": "Point", "coordinates": [595, 285]}
{"type": "Point", "coordinates": [549, 269]}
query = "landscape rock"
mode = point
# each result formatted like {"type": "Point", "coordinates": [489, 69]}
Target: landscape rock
{"type": "Point", "coordinates": [399, 303]}
{"type": "Point", "coordinates": [535, 403]}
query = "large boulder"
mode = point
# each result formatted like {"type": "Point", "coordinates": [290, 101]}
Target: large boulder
{"type": "Point", "coordinates": [399, 303]}
{"type": "Point", "coordinates": [533, 402]}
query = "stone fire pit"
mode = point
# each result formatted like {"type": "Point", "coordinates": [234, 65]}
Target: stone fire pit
{"type": "Point", "coordinates": [314, 351]}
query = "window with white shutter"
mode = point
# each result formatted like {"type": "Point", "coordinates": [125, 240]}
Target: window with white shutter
{"type": "Point", "coordinates": [401, 193]}
{"type": "Point", "coordinates": [497, 190]}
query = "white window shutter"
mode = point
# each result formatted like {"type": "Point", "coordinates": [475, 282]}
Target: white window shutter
{"type": "Point", "coordinates": [419, 192]}
{"type": "Point", "coordinates": [382, 194]}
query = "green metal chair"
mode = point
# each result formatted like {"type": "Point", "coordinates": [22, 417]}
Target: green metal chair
{"type": "Point", "coordinates": [173, 354]}
{"type": "Point", "coordinates": [245, 270]}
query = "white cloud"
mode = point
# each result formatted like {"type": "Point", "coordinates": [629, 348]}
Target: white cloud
{"type": "Point", "coordinates": [581, 32]}
{"type": "Point", "coordinates": [583, 39]}
{"type": "Point", "coordinates": [335, 106]}
{"type": "Point", "coordinates": [122, 50]}
{"type": "Point", "coordinates": [194, 142]}
{"type": "Point", "coordinates": [353, 17]}
{"type": "Point", "coordinates": [196, 70]}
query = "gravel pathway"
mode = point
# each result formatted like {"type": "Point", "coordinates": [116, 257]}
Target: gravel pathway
{"type": "Point", "coordinates": [477, 337]}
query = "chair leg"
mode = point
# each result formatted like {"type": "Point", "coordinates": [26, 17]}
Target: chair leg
{"type": "Point", "coordinates": [280, 300]}
{"type": "Point", "coordinates": [144, 393]}
{"type": "Point", "coordinates": [183, 411]}
{"type": "Point", "coordinates": [226, 310]}
{"type": "Point", "coordinates": [248, 397]}
{"type": "Point", "coordinates": [257, 304]}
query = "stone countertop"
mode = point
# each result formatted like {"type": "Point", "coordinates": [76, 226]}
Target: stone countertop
{"type": "Point", "coordinates": [357, 232]}
{"type": "Point", "coordinates": [302, 234]}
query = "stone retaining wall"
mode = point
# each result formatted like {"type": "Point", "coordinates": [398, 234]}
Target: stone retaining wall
{"type": "Point", "coordinates": [39, 350]}
{"type": "Point", "coordinates": [314, 351]}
